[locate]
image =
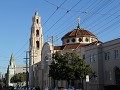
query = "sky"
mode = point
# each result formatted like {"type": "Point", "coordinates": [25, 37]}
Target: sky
{"type": "Point", "coordinates": [101, 17]}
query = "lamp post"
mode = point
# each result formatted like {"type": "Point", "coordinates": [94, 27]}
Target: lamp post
{"type": "Point", "coordinates": [87, 80]}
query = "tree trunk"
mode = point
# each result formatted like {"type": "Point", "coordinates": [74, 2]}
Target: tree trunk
{"type": "Point", "coordinates": [54, 83]}
{"type": "Point", "coordinates": [68, 82]}
{"type": "Point", "coordinates": [82, 85]}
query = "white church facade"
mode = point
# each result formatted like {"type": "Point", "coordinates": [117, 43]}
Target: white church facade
{"type": "Point", "coordinates": [104, 58]}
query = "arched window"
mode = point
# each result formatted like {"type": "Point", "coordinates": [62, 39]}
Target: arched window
{"type": "Point", "coordinates": [37, 44]}
{"type": "Point", "coordinates": [37, 21]}
{"type": "Point", "coordinates": [37, 32]}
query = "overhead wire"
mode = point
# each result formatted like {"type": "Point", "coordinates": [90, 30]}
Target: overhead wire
{"type": "Point", "coordinates": [54, 11]}
{"type": "Point", "coordinates": [55, 23]}
{"type": "Point", "coordinates": [101, 7]}
{"type": "Point", "coordinates": [105, 24]}
{"type": "Point", "coordinates": [85, 13]}
{"type": "Point", "coordinates": [43, 24]}
{"type": "Point", "coordinates": [70, 18]}
{"type": "Point", "coordinates": [62, 16]}
{"type": "Point", "coordinates": [21, 48]}
{"type": "Point", "coordinates": [99, 18]}
{"type": "Point", "coordinates": [113, 30]}
{"type": "Point", "coordinates": [62, 31]}
{"type": "Point", "coordinates": [107, 28]}
{"type": "Point", "coordinates": [103, 20]}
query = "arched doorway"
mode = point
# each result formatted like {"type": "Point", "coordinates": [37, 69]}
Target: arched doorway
{"type": "Point", "coordinates": [117, 76]}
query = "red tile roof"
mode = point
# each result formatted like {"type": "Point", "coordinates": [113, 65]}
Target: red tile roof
{"type": "Point", "coordinates": [94, 43]}
{"type": "Point", "coordinates": [75, 46]}
{"type": "Point", "coordinates": [69, 46]}
{"type": "Point", "coordinates": [77, 32]}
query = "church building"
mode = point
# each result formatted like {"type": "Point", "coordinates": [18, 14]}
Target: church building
{"type": "Point", "coordinates": [104, 58]}
{"type": "Point", "coordinates": [13, 69]}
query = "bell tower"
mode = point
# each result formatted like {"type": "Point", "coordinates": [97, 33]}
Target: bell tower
{"type": "Point", "coordinates": [36, 43]}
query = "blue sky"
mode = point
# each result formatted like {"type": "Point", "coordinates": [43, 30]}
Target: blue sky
{"type": "Point", "coordinates": [101, 17]}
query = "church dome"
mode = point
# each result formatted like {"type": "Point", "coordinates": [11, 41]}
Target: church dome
{"type": "Point", "coordinates": [78, 35]}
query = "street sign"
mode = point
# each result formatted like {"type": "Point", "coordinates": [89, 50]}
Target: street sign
{"type": "Point", "coordinates": [87, 78]}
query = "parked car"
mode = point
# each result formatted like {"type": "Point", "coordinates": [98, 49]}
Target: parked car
{"type": "Point", "coordinates": [56, 88]}
{"type": "Point", "coordinates": [46, 88]}
{"type": "Point", "coordinates": [71, 88]}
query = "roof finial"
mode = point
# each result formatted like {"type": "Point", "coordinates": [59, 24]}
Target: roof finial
{"type": "Point", "coordinates": [36, 13]}
{"type": "Point", "coordinates": [12, 59]}
{"type": "Point", "coordinates": [78, 27]}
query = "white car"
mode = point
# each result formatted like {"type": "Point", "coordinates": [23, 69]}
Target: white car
{"type": "Point", "coordinates": [46, 88]}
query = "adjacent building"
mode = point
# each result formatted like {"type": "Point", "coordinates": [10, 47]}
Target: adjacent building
{"type": "Point", "coordinates": [13, 69]}
{"type": "Point", "coordinates": [104, 58]}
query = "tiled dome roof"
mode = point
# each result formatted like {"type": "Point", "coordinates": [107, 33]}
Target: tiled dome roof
{"type": "Point", "coordinates": [78, 32]}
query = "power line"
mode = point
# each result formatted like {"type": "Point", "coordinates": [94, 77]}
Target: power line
{"type": "Point", "coordinates": [99, 18]}
{"type": "Point", "coordinates": [72, 21]}
{"type": "Point", "coordinates": [53, 12]}
{"type": "Point", "coordinates": [21, 47]}
{"type": "Point", "coordinates": [103, 20]}
{"type": "Point", "coordinates": [106, 24]}
{"type": "Point", "coordinates": [62, 16]}
{"type": "Point", "coordinates": [44, 23]}
{"type": "Point", "coordinates": [85, 10]}
{"type": "Point", "coordinates": [106, 12]}
{"type": "Point", "coordinates": [101, 7]}
{"type": "Point", "coordinates": [51, 3]}
{"type": "Point", "coordinates": [102, 31]}
{"type": "Point", "coordinates": [112, 31]}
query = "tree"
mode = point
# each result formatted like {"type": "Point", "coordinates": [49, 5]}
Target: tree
{"type": "Point", "coordinates": [18, 78]}
{"type": "Point", "coordinates": [69, 66]}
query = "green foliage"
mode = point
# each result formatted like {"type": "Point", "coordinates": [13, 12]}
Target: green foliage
{"type": "Point", "coordinates": [2, 84]}
{"type": "Point", "coordinates": [20, 77]}
{"type": "Point", "coordinates": [69, 66]}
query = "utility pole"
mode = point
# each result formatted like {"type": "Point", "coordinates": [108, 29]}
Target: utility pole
{"type": "Point", "coordinates": [52, 40]}
{"type": "Point", "coordinates": [27, 52]}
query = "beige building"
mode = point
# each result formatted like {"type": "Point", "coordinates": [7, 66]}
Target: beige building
{"type": "Point", "coordinates": [102, 57]}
